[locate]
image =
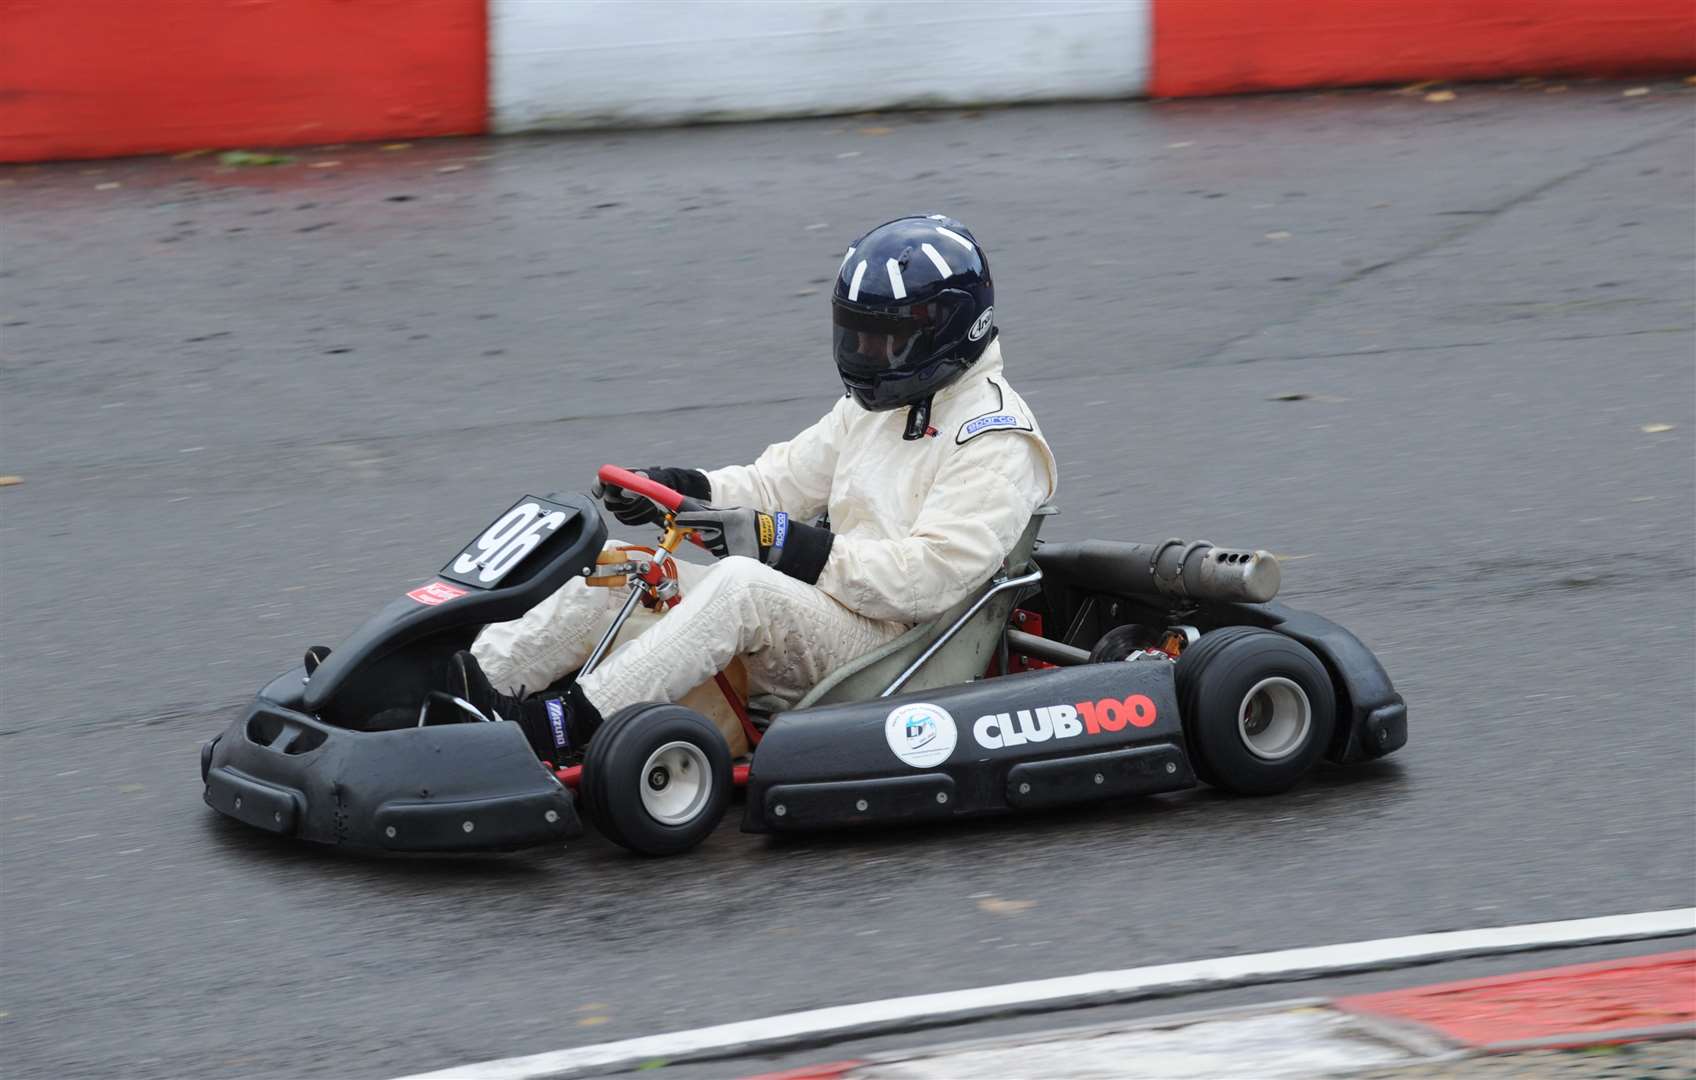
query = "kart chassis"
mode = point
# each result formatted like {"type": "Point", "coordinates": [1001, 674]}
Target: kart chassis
{"type": "Point", "coordinates": [1046, 727]}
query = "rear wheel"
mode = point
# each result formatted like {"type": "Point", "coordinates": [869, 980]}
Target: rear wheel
{"type": "Point", "coordinates": [1258, 709]}
{"type": "Point", "coordinates": [1192, 665]}
{"type": "Point", "coordinates": [657, 778]}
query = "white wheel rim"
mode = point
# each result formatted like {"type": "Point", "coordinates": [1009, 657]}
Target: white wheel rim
{"type": "Point", "coordinates": [675, 783]}
{"type": "Point", "coordinates": [1274, 718]}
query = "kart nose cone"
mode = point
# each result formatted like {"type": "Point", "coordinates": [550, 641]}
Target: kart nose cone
{"type": "Point", "coordinates": [448, 787]}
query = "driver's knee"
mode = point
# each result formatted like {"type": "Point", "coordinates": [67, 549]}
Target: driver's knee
{"type": "Point", "coordinates": [735, 573]}
{"type": "Point", "coordinates": [738, 581]}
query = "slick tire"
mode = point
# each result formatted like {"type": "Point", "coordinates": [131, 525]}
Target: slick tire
{"type": "Point", "coordinates": [1191, 668]}
{"type": "Point", "coordinates": [1258, 709]}
{"type": "Point", "coordinates": [657, 778]}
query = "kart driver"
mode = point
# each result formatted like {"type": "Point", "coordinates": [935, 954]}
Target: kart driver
{"type": "Point", "coordinates": [928, 471]}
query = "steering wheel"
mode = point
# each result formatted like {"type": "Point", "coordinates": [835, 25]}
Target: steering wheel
{"type": "Point", "coordinates": [673, 502]}
{"type": "Point", "coordinates": [668, 499]}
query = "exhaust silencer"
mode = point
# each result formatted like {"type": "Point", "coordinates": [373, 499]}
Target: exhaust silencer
{"type": "Point", "coordinates": [1175, 569]}
{"type": "Point", "coordinates": [1200, 571]}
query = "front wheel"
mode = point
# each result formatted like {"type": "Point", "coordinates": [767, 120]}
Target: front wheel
{"type": "Point", "coordinates": [1259, 709]}
{"type": "Point", "coordinates": [656, 779]}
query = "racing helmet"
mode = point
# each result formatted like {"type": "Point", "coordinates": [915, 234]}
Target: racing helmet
{"type": "Point", "coordinates": [913, 308]}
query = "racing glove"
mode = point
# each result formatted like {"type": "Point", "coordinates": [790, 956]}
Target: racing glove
{"type": "Point", "coordinates": [782, 544]}
{"type": "Point", "coordinates": [632, 509]}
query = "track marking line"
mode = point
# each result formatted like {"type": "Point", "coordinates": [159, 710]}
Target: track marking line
{"type": "Point", "coordinates": [1100, 987]}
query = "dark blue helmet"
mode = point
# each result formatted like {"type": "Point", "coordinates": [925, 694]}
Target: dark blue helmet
{"type": "Point", "coordinates": [913, 308]}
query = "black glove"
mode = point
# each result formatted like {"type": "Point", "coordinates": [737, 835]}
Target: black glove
{"type": "Point", "coordinates": [632, 509]}
{"type": "Point", "coordinates": [787, 546]}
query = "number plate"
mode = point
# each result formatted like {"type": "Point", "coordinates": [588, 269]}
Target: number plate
{"type": "Point", "coordinates": [506, 543]}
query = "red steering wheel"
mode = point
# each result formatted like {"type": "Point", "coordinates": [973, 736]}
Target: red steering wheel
{"type": "Point", "coordinates": [669, 498]}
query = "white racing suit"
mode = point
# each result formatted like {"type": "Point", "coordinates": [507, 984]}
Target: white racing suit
{"type": "Point", "coordinates": [918, 525]}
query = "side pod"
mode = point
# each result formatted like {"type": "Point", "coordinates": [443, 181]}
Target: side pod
{"type": "Point", "coordinates": [1042, 738]}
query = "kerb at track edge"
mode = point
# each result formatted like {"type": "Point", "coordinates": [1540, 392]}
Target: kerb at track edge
{"type": "Point", "coordinates": [1042, 995]}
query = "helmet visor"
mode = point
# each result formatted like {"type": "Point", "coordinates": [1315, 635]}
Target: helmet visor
{"type": "Point", "coordinates": [873, 346]}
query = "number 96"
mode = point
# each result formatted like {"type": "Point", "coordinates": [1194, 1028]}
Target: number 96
{"type": "Point", "coordinates": [505, 543]}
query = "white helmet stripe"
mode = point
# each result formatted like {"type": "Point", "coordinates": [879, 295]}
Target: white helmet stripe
{"type": "Point", "coordinates": [854, 286]}
{"type": "Point", "coordinates": [895, 283]}
{"type": "Point", "coordinates": [937, 260]}
{"type": "Point", "coordinates": [844, 261]}
{"type": "Point", "coordinates": [956, 237]}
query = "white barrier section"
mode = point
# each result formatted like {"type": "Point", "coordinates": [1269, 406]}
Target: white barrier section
{"type": "Point", "coordinates": [558, 64]}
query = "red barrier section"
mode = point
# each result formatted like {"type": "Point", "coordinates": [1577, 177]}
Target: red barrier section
{"type": "Point", "coordinates": [99, 78]}
{"type": "Point", "coordinates": [1228, 46]}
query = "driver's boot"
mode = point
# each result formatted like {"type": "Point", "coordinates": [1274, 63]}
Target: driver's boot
{"type": "Point", "coordinates": [557, 726]}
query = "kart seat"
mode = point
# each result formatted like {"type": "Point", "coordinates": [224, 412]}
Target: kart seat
{"type": "Point", "coordinates": [962, 658]}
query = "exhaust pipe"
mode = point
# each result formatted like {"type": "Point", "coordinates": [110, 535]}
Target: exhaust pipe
{"type": "Point", "coordinates": [1174, 569]}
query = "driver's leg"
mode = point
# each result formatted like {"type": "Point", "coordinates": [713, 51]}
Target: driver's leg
{"type": "Point", "coordinates": [789, 634]}
{"type": "Point", "coordinates": [553, 638]}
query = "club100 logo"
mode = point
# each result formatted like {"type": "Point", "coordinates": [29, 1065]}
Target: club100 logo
{"type": "Point", "coordinates": [999, 730]}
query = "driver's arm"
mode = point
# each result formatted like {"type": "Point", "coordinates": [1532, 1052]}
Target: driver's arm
{"type": "Point", "coordinates": [977, 507]}
{"type": "Point", "coordinates": [792, 476]}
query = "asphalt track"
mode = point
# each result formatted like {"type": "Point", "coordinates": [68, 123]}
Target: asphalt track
{"type": "Point", "coordinates": [249, 406]}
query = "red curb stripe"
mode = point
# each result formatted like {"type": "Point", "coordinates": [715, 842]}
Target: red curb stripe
{"type": "Point", "coordinates": [1566, 1003]}
{"type": "Point", "coordinates": [833, 1071]}
{"type": "Point", "coordinates": [1604, 1038]}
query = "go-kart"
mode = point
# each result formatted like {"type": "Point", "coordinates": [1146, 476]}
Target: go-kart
{"type": "Point", "coordinates": [1081, 671]}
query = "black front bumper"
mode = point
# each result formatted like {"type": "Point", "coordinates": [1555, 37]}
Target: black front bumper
{"type": "Point", "coordinates": [447, 788]}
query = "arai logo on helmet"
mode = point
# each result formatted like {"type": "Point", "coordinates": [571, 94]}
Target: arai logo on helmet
{"type": "Point", "coordinates": [981, 327]}
{"type": "Point", "coordinates": [920, 735]}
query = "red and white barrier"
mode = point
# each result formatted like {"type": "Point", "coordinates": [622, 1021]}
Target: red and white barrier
{"type": "Point", "coordinates": [99, 78]}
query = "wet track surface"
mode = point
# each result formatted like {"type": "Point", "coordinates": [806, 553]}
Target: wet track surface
{"type": "Point", "coordinates": [248, 407]}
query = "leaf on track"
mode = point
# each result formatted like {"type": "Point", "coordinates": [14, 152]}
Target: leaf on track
{"type": "Point", "coordinates": [241, 159]}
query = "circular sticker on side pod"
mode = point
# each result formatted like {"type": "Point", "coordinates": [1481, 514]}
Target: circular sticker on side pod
{"type": "Point", "coordinates": [921, 735]}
